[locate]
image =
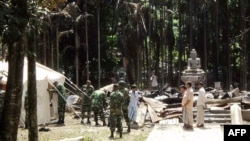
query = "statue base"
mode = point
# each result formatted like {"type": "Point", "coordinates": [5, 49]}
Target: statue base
{"type": "Point", "coordinates": [193, 75]}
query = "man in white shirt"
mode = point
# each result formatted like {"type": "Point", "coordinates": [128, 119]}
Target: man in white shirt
{"type": "Point", "coordinates": [201, 103]}
{"type": "Point", "coordinates": [154, 82]}
{"type": "Point", "coordinates": [133, 103]}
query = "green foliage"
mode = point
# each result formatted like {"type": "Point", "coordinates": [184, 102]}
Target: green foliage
{"type": "Point", "coordinates": [118, 21]}
{"type": "Point", "coordinates": [5, 11]}
{"type": "Point", "coordinates": [37, 19]}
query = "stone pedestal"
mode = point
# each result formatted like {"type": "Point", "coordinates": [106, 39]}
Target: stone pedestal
{"type": "Point", "coordinates": [193, 75]}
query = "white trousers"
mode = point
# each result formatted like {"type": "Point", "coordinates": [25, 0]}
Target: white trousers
{"type": "Point", "coordinates": [132, 113]}
{"type": "Point", "coordinates": [200, 114]}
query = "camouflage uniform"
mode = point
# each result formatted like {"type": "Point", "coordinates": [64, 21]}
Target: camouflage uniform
{"type": "Point", "coordinates": [124, 91]}
{"type": "Point", "coordinates": [61, 101]}
{"type": "Point", "coordinates": [116, 102]}
{"type": "Point", "coordinates": [86, 101]}
{"type": "Point", "coordinates": [98, 103]}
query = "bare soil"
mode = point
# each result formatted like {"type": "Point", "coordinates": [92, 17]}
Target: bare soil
{"type": "Point", "coordinates": [72, 128]}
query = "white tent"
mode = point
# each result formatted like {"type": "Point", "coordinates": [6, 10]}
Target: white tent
{"type": "Point", "coordinates": [44, 76]}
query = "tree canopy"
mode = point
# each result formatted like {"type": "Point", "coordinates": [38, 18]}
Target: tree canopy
{"type": "Point", "coordinates": [138, 37]}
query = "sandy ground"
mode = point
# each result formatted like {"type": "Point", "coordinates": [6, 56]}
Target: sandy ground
{"type": "Point", "coordinates": [73, 128]}
{"type": "Point", "coordinates": [149, 132]}
{"type": "Point", "coordinates": [175, 132]}
{"type": "Point", "coordinates": [211, 132]}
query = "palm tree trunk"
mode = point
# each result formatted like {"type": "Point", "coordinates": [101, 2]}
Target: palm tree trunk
{"type": "Point", "coordinates": [76, 54]}
{"type": "Point", "coordinates": [99, 46]}
{"type": "Point", "coordinates": [243, 45]}
{"type": "Point", "coordinates": [44, 49]}
{"type": "Point", "coordinates": [57, 47]}
{"type": "Point", "coordinates": [87, 38]}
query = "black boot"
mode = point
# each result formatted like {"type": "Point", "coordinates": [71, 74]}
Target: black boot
{"type": "Point", "coordinates": [120, 134]}
{"type": "Point", "coordinates": [82, 122]}
{"type": "Point", "coordinates": [112, 134]}
{"type": "Point", "coordinates": [96, 123]}
{"type": "Point", "coordinates": [62, 121]}
{"type": "Point", "coordinates": [59, 121]}
{"type": "Point", "coordinates": [104, 123]}
{"type": "Point", "coordinates": [128, 128]}
{"type": "Point", "coordinates": [88, 121]}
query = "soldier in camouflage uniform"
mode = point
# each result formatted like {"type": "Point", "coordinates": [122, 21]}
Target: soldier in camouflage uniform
{"type": "Point", "coordinates": [124, 91]}
{"type": "Point", "coordinates": [98, 103]}
{"type": "Point", "coordinates": [116, 102]}
{"type": "Point", "coordinates": [86, 100]}
{"type": "Point", "coordinates": [61, 91]}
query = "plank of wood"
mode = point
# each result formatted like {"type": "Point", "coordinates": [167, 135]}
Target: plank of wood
{"type": "Point", "coordinates": [245, 114]}
{"type": "Point", "coordinates": [216, 120]}
{"type": "Point", "coordinates": [216, 115]}
{"type": "Point", "coordinates": [154, 117]}
{"type": "Point", "coordinates": [218, 110]}
{"type": "Point", "coordinates": [224, 101]}
{"type": "Point", "coordinates": [155, 104]}
{"type": "Point", "coordinates": [174, 105]}
{"type": "Point", "coordinates": [176, 115]}
{"type": "Point", "coordinates": [174, 109]}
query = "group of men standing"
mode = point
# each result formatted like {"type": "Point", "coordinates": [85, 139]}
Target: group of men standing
{"type": "Point", "coordinates": [123, 105]}
{"type": "Point", "coordinates": [187, 105]}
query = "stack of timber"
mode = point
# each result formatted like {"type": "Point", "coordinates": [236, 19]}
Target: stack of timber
{"type": "Point", "coordinates": [218, 111]}
{"type": "Point", "coordinates": [215, 115]}
{"type": "Point", "coordinates": [157, 111]}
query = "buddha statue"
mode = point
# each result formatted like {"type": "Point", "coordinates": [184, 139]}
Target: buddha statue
{"type": "Point", "coordinates": [194, 61]}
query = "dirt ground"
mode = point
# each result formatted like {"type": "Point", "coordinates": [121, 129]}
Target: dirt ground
{"type": "Point", "coordinates": [73, 128]}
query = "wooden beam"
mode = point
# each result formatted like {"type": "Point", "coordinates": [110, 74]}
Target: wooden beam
{"type": "Point", "coordinates": [155, 104]}
{"type": "Point", "coordinates": [154, 117]}
{"type": "Point", "coordinates": [224, 101]}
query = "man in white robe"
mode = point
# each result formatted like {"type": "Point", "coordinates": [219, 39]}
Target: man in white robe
{"type": "Point", "coordinates": [201, 103]}
{"type": "Point", "coordinates": [187, 106]}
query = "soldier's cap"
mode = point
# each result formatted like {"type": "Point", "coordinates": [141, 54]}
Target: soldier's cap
{"type": "Point", "coordinates": [133, 86]}
{"type": "Point", "coordinates": [88, 81]}
{"type": "Point", "coordinates": [115, 85]}
{"type": "Point", "coordinates": [122, 82]}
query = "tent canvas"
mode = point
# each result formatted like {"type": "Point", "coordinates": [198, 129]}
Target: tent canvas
{"type": "Point", "coordinates": [44, 77]}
